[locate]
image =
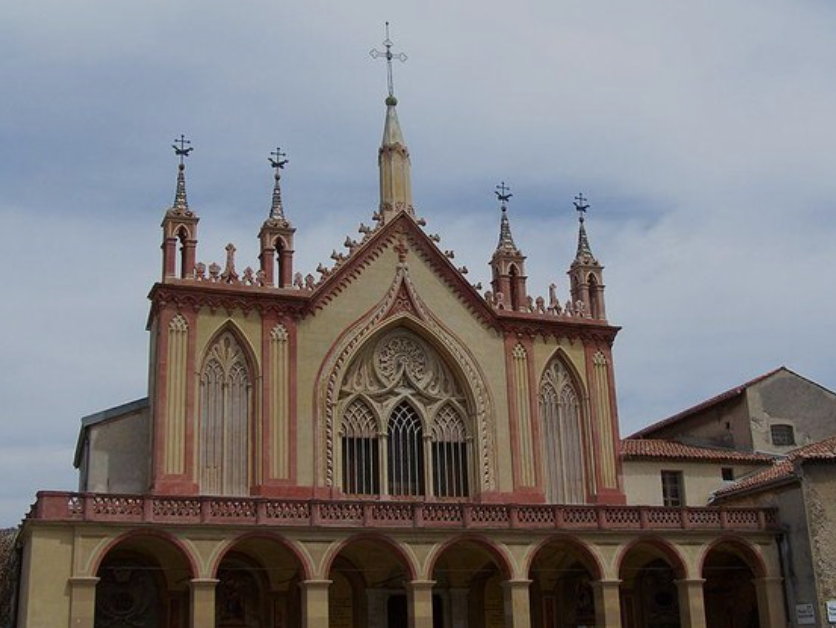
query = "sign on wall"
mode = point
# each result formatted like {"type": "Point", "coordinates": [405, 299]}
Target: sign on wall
{"type": "Point", "coordinates": [830, 606]}
{"type": "Point", "coordinates": [805, 614]}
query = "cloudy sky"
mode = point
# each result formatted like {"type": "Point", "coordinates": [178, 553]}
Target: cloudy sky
{"type": "Point", "coordinates": [702, 132]}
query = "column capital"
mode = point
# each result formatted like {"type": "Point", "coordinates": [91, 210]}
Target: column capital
{"type": "Point", "coordinates": [315, 584]}
{"type": "Point", "coordinates": [421, 584]}
{"type": "Point", "coordinates": [83, 581]}
{"type": "Point", "coordinates": [605, 584]}
{"type": "Point", "coordinates": [203, 583]}
{"type": "Point", "coordinates": [690, 581]}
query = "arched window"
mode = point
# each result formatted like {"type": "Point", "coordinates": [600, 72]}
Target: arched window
{"type": "Point", "coordinates": [225, 410]}
{"type": "Point", "coordinates": [401, 379]}
{"type": "Point", "coordinates": [594, 297]}
{"type": "Point", "coordinates": [361, 468]}
{"type": "Point", "coordinates": [560, 413]}
{"type": "Point", "coordinates": [182, 237]}
{"type": "Point", "coordinates": [406, 451]}
{"type": "Point", "coordinates": [449, 449]}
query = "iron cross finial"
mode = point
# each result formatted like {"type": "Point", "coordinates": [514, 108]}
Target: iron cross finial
{"type": "Point", "coordinates": [181, 151]}
{"type": "Point", "coordinates": [581, 206]}
{"type": "Point", "coordinates": [279, 162]}
{"type": "Point", "coordinates": [389, 56]}
{"type": "Point", "coordinates": [503, 193]}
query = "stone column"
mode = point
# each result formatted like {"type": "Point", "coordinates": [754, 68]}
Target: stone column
{"type": "Point", "coordinates": [691, 603]}
{"type": "Point", "coordinates": [376, 600]}
{"type": "Point", "coordinates": [607, 603]}
{"type": "Point", "coordinates": [82, 601]}
{"type": "Point", "coordinates": [770, 595]}
{"type": "Point", "coordinates": [315, 603]}
{"type": "Point", "coordinates": [419, 595]}
{"type": "Point", "coordinates": [203, 602]}
{"type": "Point", "coordinates": [517, 604]}
{"type": "Point", "coordinates": [458, 607]}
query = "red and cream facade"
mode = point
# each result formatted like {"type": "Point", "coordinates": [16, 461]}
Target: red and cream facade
{"type": "Point", "coordinates": [380, 446]}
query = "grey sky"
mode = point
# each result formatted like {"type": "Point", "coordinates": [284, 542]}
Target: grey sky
{"type": "Point", "coordinates": [702, 133]}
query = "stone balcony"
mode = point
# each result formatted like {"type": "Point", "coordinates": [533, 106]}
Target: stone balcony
{"type": "Point", "coordinates": [310, 513]}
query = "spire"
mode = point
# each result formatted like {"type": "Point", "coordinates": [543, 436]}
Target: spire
{"type": "Point", "coordinates": [584, 253]}
{"type": "Point", "coordinates": [181, 203]}
{"type": "Point", "coordinates": [393, 156]}
{"type": "Point", "coordinates": [278, 164]}
{"type": "Point", "coordinates": [506, 240]}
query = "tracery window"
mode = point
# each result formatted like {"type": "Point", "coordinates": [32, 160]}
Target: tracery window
{"type": "Point", "coordinates": [225, 409]}
{"type": "Point", "coordinates": [560, 413]}
{"type": "Point", "coordinates": [361, 467]}
{"type": "Point", "coordinates": [423, 422]}
{"type": "Point", "coordinates": [449, 446]}
{"type": "Point", "coordinates": [406, 452]}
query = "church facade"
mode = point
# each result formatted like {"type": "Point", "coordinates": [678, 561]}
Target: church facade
{"type": "Point", "coordinates": [383, 445]}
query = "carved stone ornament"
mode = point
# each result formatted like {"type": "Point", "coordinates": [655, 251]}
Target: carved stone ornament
{"type": "Point", "coordinates": [402, 361]}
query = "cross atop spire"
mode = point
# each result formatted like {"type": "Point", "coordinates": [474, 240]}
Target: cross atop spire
{"type": "Point", "coordinates": [389, 56]}
{"type": "Point", "coordinates": [584, 250]}
{"type": "Point", "coordinates": [181, 203]}
{"type": "Point", "coordinates": [278, 164]}
{"type": "Point", "coordinates": [506, 240]}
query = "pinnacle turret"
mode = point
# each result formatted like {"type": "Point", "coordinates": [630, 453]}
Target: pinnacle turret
{"type": "Point", "coordinates": [278, 164]}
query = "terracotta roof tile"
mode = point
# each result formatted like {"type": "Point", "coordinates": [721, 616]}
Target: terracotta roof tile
{"type": "Point", "coordinates": [782, 469]}
{"type": "Point", "coordinates": [650, 448]}
{"type": "Point", "coordinates": [731, 393]}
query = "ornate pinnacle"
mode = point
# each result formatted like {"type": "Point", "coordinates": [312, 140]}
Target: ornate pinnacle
{"type": "Point", "coordinates": [278, 164]}
{"type": "Point", "coordinates": [584, 250]}
{"type": "Point", "coordinates": [506, 240]}
{"type": "Point", "coordinates": [181, 203]}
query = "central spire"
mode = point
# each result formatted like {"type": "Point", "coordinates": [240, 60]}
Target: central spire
{"type": "Point", "coordinates": [393, 156]}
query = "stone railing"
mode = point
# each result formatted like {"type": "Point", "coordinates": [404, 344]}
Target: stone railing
{"type": "Point", "coordinates": [105, 508]}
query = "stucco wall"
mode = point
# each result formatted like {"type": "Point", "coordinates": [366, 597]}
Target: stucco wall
{"type": "Point", "coordinates": [116, 455]}
{"type": "Point", "coordinates": [723, 425]}
{"type": "Point", "coordinates": [643, 483]}
{"type": "Point", "coordinates": [47, 567]}
{"type": "Point", "coordinates": [820, 497]}
{"type": "Point", "coordinates": [787, 399]}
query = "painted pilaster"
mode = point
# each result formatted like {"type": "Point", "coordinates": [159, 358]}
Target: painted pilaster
{"type": "Point", "coordinates": [691, 603]}
{"type": "Point", "coordinates": [82, 601]}
{"type": "Point", "coordinates": [315, 603]}
{"type": "Point", "coordinates": [420, 600]}
{"type": "Point", "coordinates": [607, 603]}
{"type": "Point", "coordinates": [770, 595]}
{"type": "Point", "coordinates": [517, 603]}
{"type": "Point", "coordinates": [203, 602]}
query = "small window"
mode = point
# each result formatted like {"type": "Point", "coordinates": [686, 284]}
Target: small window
{"type": "Point", "coordinates": [783, 435]}
{"type": "Point", "coordinates": [728, 474]}
{"type": "Point", "coordinates": [673, 494]}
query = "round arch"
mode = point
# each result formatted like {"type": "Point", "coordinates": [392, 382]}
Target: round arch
{"type": "Point", "coordinates": [497, 553]}
{"type": "Point", "coordinates": [400, 554]}
{"type": "Point", "coordinates": [158, 539]}
{"type": "Point", "coordinates": [588, 557]}
{"type": "Point", "coordinates": [657, 548]}
{"type": "Point", "coordinates": [739, 547]}
{"type": "Point", "coordinates": [298, 555]}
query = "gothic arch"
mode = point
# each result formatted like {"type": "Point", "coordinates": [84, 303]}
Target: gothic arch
{"type": "Point", "coordinates": [401, 307]}
{"type": "Point", "coordinates": [562, 409]}
{"type": "Point", "coordinates": [227, 425]}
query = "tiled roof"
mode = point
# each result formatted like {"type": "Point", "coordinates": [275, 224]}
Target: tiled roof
{"type": "Point", "coordinates": [782, 469]}
{"type": "Point", "coordinates": [708, 403]}
{"type": "Point", "coordinates": [651, 448]}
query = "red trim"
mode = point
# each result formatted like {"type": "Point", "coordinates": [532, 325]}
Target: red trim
{"type": "Point", "coordinates": [178, 545]}
{"type": "Point", "coordinates": [745, 551]}
{"type": "Point", "coordinates": [669, 552]}
{"type": "Point", "coordinates": [374, 537]}
{"type": "Point", "coordinates": [191, 403]}
{"type": "Point", "coordinates": [287, 544]}
{"type": "Point", "coordinates": [498, 553]}
{"type": "Point", "coordinates": [158, 454]}
{"type": "Point", "coordinates": [589, 558]}
{"type": "Point", "coordinates": [268, 321]}
{"type": "Point", "coordinates": [616, 436]}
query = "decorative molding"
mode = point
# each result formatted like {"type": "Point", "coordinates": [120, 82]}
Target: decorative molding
{"type": "Point", "coordinates": [340, 358]}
